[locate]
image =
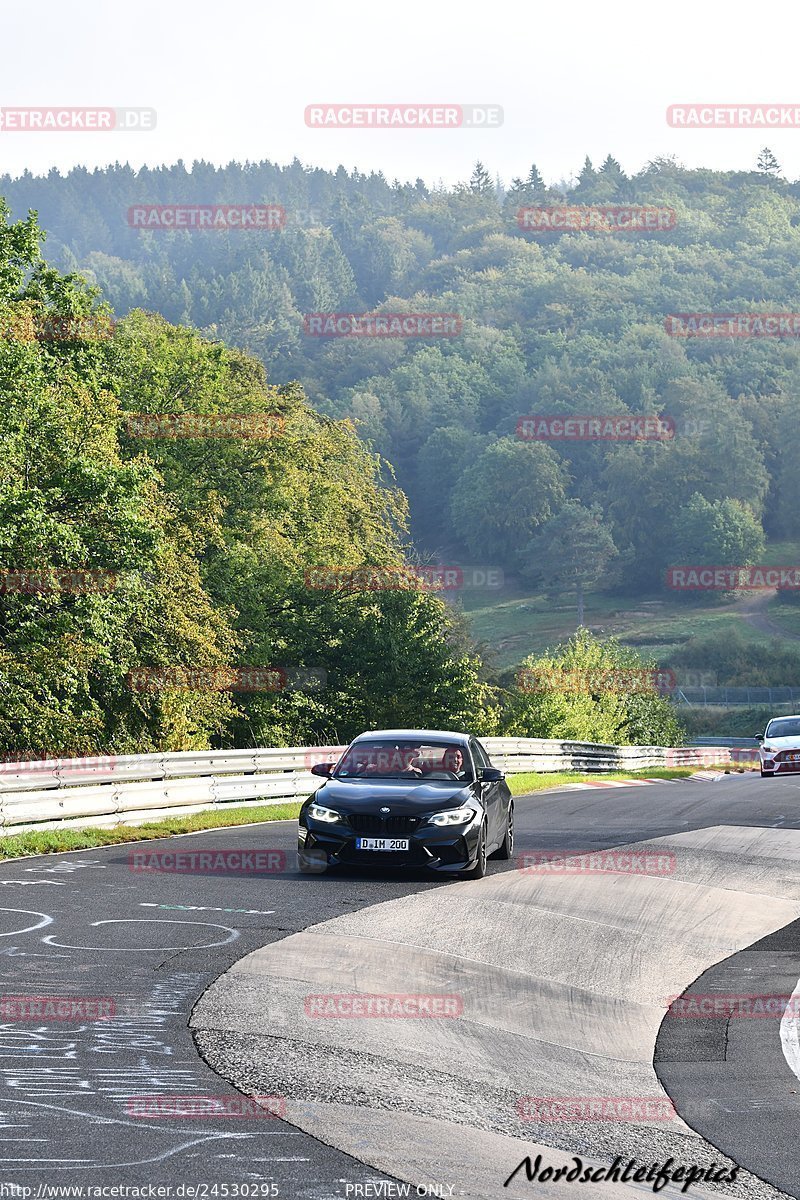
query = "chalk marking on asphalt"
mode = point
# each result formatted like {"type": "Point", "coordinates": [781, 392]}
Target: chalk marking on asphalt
{"type": "Point", "coordinates": [46, 920]}
{"type": "Point", "coordinates": [205, 1136]}
{"type": "Point", "coordinates": [66, 868]}
{"type": "Point", "coordinates": [790, 1032]}
{"type": "Point", "coordinates": [234, 934]}
{"type": "Point", "coordinates": [30, 882]}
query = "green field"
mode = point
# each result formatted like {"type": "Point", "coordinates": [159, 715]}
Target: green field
{"type": "Point", "coordinates": [513, 622]}
{"type": "Point", "coordinates": [510, 629]}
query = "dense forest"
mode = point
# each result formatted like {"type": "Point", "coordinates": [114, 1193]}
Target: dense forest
{"type": "Point", "coordinates": [564, 322]}
{"type": "Point", "coordinates": [393, 448]}
{"type": "Point", "coordinates": [142, 578]}
{"type": "Point", "coordinates": [202, 545]}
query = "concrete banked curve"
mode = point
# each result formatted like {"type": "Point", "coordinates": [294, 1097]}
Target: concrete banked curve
{"type": "Point", "coordinates": [565, 980]}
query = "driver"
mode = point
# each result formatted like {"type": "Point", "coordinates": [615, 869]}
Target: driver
{"type": "Point", "coordinates": [363, 764]}
{"type": "Point", "coordinates": [414, 764]}
{"type": "Point", "coordinates": [454, 762]}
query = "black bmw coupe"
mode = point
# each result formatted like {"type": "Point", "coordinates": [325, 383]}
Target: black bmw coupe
{"type": "Point", "coordinates": [411, 798]}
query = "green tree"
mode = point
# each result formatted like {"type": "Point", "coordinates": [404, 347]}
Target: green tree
{"type": "Point", "coordinates": [205, 544]}
{"type": "Point", "coordinates": [719, 532]}
{"type": "Point", "coordinates": [447, 453]}
{"type": "Point", "coordinates": [70, 505]}
{"type": "Point", "coordinates": [591, 691]}
{"type": "Point", "coordinates": [504, 495]}
{"type": "Point", "coordinates": [571, 552]}
{"type": "Point", "coordinates": [481, 181]}
{"type": "Point", "coordinates": [534, 182]}
{"type": "Point", "coordinates": [394, 658]}
{"type": "Point", "coordinates": [767, 163]}
{"type": "Point", "coordinates": [585, 187]}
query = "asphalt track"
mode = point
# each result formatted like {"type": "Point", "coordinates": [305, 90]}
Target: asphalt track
{"type": "Point", "coordinates": [564, 981]}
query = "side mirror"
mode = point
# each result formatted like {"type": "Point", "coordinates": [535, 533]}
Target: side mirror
{"type": "Point", "coordinates": [490, 775]}
{"type": "Point", "coordinates": [759, 737]}
{"type": "Point", "coordinates": [323, 769]}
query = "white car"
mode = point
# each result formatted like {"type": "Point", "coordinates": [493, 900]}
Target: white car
{"type": "Point", "coordinates": [779, 748]}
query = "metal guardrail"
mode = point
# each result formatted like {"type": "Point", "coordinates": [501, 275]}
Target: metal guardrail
{"type": "Point", "coordinates": [730, 742]}
{"type": "Point", "coordinates": [732, 697]}
{"type": "Point", "coordinates": [131, 789]}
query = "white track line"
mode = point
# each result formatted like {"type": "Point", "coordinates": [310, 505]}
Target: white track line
{"type": "Point", "coordinates": [790, 1031]}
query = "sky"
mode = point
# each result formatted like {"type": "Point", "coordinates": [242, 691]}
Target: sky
{"type": "Point", "coordinates": [232, 80]}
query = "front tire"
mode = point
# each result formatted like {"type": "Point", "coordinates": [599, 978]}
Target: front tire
{"type": "Point", "coordinates": [506, 849]}
{"type": "Point", "coordinates": [479, 870]}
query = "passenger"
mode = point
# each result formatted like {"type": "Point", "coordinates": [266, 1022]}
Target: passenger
{"type": "Point", "coordinates": [454, 762]}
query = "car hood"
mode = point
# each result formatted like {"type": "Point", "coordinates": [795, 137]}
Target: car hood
{"type": "Point", "coordinates": [783, 743]}
{"type": "Point", "coordinates": [364, 795]}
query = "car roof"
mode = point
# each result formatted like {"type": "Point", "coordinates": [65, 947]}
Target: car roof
{"type": "Point", "coordinates": [785, 717]}
{"type": "Point", "coordinates": [414, 735]}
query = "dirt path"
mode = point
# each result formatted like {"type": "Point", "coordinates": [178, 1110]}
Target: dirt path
{"type": "Point", "coordinates": [753, 610]}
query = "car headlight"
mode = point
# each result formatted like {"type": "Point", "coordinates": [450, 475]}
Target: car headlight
{"type": "Point", "coordinates": [453, 816]}
{"type": "Point", "coordinates": [768, 749]}
{"type": "Point", "coordinates": [320, 813]}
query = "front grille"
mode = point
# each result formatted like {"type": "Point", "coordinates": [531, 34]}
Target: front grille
{"type": "Point", "coordinates": [383, 826]}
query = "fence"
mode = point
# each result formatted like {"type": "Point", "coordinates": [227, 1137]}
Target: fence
{"type": "Point", "coordinates": [731, 697]}
{"type": "Point", "coordinates": [132, 789]}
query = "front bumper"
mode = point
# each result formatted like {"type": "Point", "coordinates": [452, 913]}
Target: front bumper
{"type": "Point", "coordinates": [435, 848]}
{"type": "Point", "coordinates": [779, 766]}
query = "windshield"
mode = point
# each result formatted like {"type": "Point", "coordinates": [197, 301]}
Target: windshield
{"type": "Point", "coordinates": [784, 727]}
{"type": "Point", "coordinates": [405, 760]}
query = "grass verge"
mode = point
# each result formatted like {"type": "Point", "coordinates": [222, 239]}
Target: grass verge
{"type": "Point", "coordinates": [522, 784]}
{"type": "Point", "coordinates": [56, 841]}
